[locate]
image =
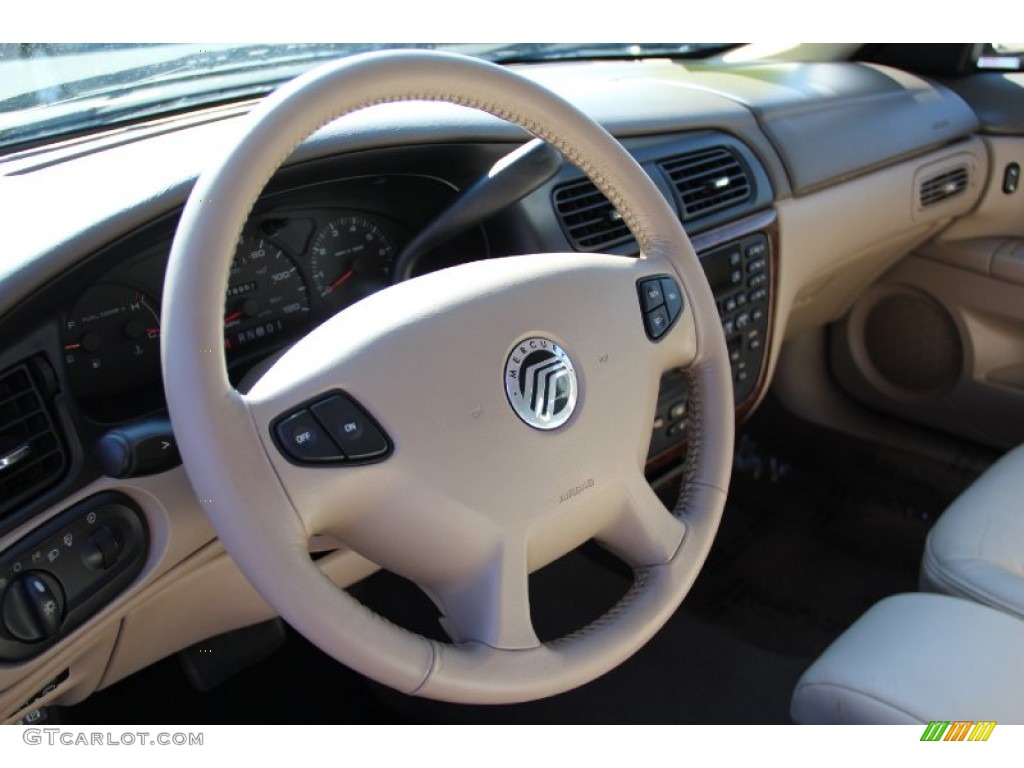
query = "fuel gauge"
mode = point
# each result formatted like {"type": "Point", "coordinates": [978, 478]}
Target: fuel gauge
{"type": "Point", "coordinates": [111, 341]}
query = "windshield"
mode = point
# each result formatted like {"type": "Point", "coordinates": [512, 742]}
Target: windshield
{"type": "Point", "coordinates": [50, 90]}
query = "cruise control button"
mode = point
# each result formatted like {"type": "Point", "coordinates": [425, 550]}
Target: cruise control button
{"type": "Point", "coordinates": [303, 438]}
{"type": "Point", "coordinates": [352, 429]}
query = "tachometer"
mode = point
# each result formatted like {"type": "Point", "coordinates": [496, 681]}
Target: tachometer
{"type": "Point", "coordinates": [266, 295]}
{"type": "Point", "coordinates": [351, 258]}
{"type": "Point", "coordinates": [111, 340]}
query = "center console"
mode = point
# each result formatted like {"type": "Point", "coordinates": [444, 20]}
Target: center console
{"type": "Point", "coordinates": [740, 270]}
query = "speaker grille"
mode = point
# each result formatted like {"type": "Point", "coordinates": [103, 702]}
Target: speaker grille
{"type": "Point", "coordinates": [913, 343]}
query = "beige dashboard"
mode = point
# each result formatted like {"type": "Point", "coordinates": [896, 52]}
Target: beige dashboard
{"type": "Point", "coordinates": [836, 229]}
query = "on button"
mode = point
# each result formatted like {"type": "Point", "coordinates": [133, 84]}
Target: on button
{"type": "Point", "coordinates": [352, 429]}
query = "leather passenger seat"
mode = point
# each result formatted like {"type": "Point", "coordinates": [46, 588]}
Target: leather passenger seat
{"type": "Point", "coordinates": [915, 658]}
{"type": "Point", "coordinates": [976, 549]}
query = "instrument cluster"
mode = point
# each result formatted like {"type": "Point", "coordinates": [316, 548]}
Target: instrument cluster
{"type": "Point", "coordinates": [300, 259]}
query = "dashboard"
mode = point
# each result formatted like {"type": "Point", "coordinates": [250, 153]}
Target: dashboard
{"type": "Point", "coordinates": [798, 185]}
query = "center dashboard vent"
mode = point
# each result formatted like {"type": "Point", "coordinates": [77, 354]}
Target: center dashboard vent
{"type": "Point", "coordinates": [708, 180]}
{"type": "Point", "coordinates": [32, 456]}
{"type": "Point", "coordinates": [588, 218]}
{"type": "Point", "coordinates": [705, 181]}
{"type": "Point", "coordinates": [944, 185]}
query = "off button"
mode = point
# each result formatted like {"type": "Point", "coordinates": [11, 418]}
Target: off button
{"type": "Point", "coordinates": [304, 439]}
{"type": "Point", "coordinates": [350, 428]}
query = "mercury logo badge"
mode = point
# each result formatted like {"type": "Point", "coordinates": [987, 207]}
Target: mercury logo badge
{"type": "Point", "coordinates": [541, 383]}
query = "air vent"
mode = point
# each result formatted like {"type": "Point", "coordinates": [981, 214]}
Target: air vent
{"type": "Point", "coordinates": [708, 180]}
{"type": "Point", "coordinates": [944, 185]}
{"type": "Point", "coordinates": [32, 456]}
{"type": "Point", "coordinates": [589, 220]}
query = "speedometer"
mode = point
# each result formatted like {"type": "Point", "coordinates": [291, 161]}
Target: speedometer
{"type": "Point", "coordinates": [266, 295]}
{"type": "Point", "coordinates": [351, 258]}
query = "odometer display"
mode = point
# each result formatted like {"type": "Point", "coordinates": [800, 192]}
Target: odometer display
{"type": "Point", "coordinates": [266, 296]}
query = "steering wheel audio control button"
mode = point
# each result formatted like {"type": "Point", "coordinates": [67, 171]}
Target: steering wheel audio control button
{"type": "Point", "coordinates": [661, 303]}
{"type": "Point", "coordinates": [673, 298]}
{"type": "Point", "coordinates": [651, 296]}
{"type": "Point", "coordinates": [302, 438]}
{"type": "Point", "coordinates": [350, 428]}
{"type": "Point", "coordinates": [656, 322]}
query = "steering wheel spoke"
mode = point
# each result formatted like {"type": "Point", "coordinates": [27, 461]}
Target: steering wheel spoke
{"type": "Point", "coordinates": [644, 533]}
{"type": "Point", "coordinates": [492, 605]}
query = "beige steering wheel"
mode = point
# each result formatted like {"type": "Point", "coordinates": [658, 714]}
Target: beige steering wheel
{"type": "Point", "coordinates": [469, 497]}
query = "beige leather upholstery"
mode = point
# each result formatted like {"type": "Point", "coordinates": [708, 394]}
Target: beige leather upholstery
{"type": "Point", "coordinates": [976, 549]}
{"type": "Point", "coordinates": [916, 658]}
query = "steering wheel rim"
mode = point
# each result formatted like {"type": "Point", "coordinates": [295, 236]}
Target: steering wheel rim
{"type": "Point", "coordinates": [265, 509]}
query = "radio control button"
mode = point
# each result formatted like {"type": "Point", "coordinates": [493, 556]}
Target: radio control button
{"type": "Point", "coordinates": [678, 428]}
{"type": "Point", "coordinates": [651, 296]}
{"type": "Point", "coordinates": [757, 249]}
{"type": "Point", "coordinates": [656, 322]}
{"type": "Point", "coordinates": [673, 298]}
{"type": "Point", "coordinates": [661, 303]}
